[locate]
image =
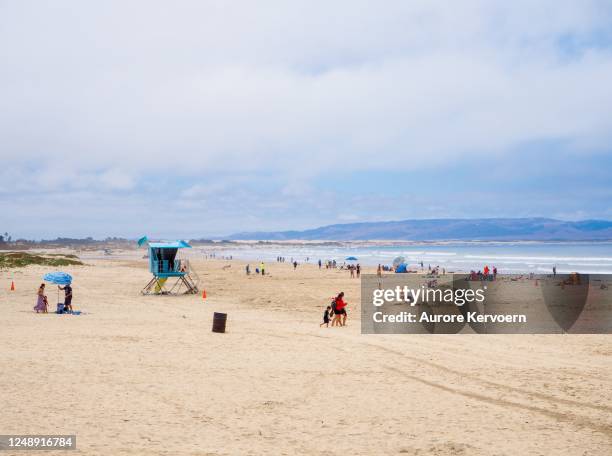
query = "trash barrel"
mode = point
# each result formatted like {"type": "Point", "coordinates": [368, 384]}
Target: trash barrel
{"type": "Point", "coordinates": [219, 320]}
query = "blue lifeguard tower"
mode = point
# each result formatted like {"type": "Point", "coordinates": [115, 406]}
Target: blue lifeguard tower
{"type": "Point", "coordinates": [164, 263]}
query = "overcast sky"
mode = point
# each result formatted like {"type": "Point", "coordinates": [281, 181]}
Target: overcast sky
{"type": "Point", "coordinates": [189, 119]}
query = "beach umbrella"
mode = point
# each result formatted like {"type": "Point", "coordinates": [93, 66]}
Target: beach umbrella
{"type": "Point", "coordinates": [351, 258]}
{"type": "Point", "coordinates": [399, 260]}
{"type": "Point", "coordinates": [58, 278]}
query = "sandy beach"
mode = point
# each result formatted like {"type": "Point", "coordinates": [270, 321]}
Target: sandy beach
{"type": "Point", "coordinates": [144, 375]}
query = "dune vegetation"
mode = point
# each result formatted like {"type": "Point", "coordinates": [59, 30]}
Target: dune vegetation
{"type": "Point", "coordinates": [22, 259]}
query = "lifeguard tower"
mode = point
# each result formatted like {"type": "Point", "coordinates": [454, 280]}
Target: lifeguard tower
{"type": "Point", "coordinates": [164, 264]}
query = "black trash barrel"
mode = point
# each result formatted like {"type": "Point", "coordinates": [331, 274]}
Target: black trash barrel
{"type": "Point", "coordinates": [219, 320]}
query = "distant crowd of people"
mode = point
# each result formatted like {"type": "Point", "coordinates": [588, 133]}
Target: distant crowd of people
{"type": "Point", "coordinates": [213, 256]}
{"type": "Point", "coordinates": [486, 273]}
{"type": "Point", "coordinates": [354, 269]}
{"type": "Point", "coordinates": [281, 259]}
{"type": "Point", "coordinates": [258, 270]}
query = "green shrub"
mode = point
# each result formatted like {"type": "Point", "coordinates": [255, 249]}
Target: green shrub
{"type": "Point", "coordinates": [23, 259]}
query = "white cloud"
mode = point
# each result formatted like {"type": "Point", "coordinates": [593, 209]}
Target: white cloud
{"type": "Point", "coordinates": [109, 96]}
{"type": "Point", "coordinates": [116, 180]}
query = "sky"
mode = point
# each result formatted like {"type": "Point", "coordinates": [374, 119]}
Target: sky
{"type": "Point", "coordinates": [190, 119]}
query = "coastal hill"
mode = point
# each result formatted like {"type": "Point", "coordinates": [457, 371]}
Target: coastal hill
{"type": "Point", "coordinates": [490, 229]}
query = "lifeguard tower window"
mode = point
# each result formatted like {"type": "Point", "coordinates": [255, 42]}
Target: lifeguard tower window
{"type": "Point", "coordinates": [164, 259]}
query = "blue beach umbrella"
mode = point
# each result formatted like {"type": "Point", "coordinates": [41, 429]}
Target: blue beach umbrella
{"type": "Point", "coordinates": [58, 278]}
{"type": "Point", "coordinates": [351, 258]}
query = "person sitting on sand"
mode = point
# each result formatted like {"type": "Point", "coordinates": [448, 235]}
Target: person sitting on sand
{"type": "Point", "coordinates": [326, 317]}
{"type": "Point", "coordinates": [68, 297]}
{"type": "Point", "coordinates": [42, 303]}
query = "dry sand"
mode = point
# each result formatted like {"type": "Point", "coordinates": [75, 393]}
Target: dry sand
{"type": "Point", "coordinates": [145, 375]}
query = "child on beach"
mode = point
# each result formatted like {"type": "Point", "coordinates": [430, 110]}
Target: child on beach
{"type": "Point", "coordinates": [326, 317]}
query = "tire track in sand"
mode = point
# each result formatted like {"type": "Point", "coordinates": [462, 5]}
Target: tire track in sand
{"type": "Point", "coordinates": [523, 395]}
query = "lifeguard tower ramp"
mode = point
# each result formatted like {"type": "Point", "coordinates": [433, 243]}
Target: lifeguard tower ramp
{"type": "Point", "coordinates": [171, 274]}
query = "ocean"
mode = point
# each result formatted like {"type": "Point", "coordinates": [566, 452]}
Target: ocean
{"type": "Point", "coordinates": [508, 257]}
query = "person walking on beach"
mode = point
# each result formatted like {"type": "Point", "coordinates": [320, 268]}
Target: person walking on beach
{"type": "Point", "coordinates": [379, 270]}
{"type": "Point", "coordinates": [67, 296]}
{"type": "Point", "coordinates": [335, 316]}
{"type": "Point", "coordinates": [339, 310]}
{"type": "Point", "coordinates": [326, 317]}
{"type": "Point", "coordinates": [41, 303]}
{"type": "Point", "coordinates": [358, 270]}
{"type": "Point", "coordinates": [262, 267]}
{"type": "Point", "coordinates": [319, 264]}
{"type": "Point", "coordinates": [248, 269]}
{"type": "Point", "coordinates": [554, 271]}
{"type": "Point", "coordinates": [294, 265]}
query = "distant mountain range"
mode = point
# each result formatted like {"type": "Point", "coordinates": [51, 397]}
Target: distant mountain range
{"type": "Point", "coordinates": [491, 229]}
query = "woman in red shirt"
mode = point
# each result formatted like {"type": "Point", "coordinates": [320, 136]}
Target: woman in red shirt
{"type": "Point", "coordinates": [340, 310]}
